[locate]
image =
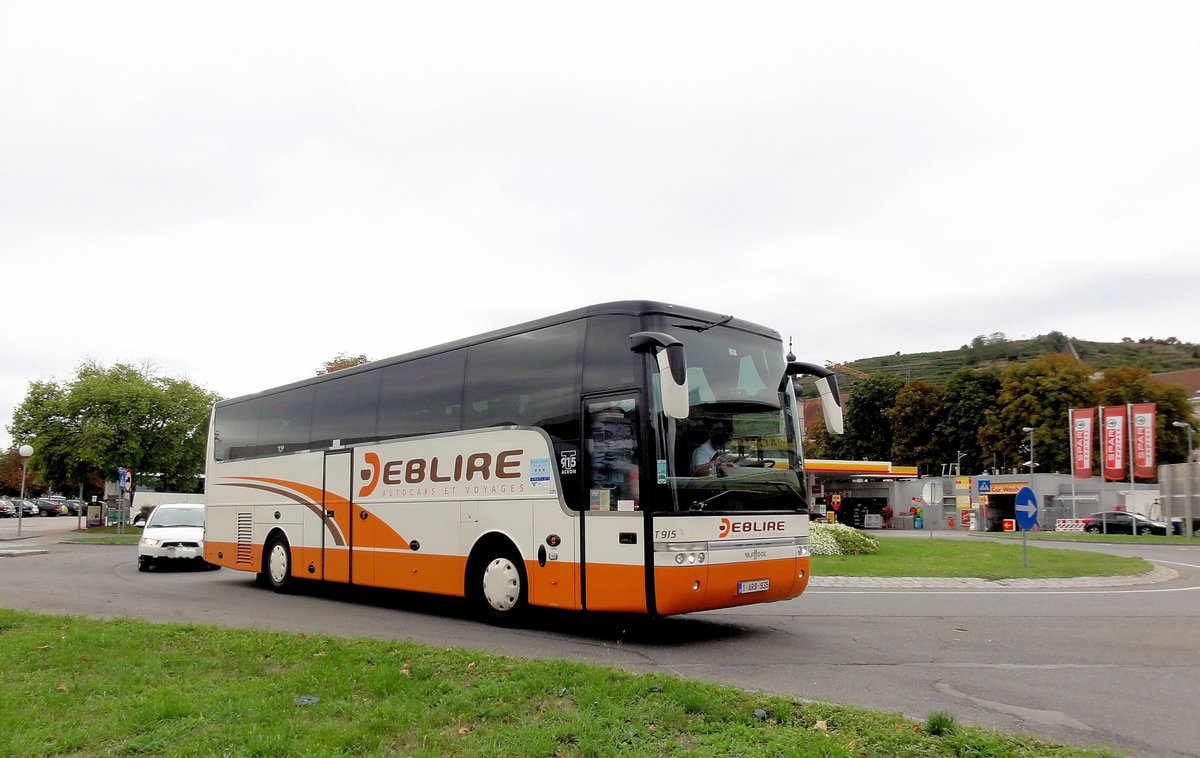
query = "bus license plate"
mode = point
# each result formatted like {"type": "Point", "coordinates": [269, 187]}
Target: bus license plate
{"type": "Point", "coordinates": [757, 585]}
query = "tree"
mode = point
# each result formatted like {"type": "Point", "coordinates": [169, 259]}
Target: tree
{"type": "Point", "coordinates": [868, 431]}
{"type": "Point", "coordinates": [969, 395]}
{"type": "Point", "coordinates": [1054, 341]}
{"type": "Point", "coordinates": [10, 475]}
{"type": "Point", "coordinates": [1036, 394]}
{"type": "Point", "coordinates": [819, 443]}
{"type": "Point", "coordinates": [914, 421]}
{"type": "Point", "coordinates": [340, 362]}
{"type": "Point", "coordinates": [111, 417]}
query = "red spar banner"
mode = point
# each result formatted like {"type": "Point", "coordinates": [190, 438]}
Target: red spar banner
{"type": "Point", "coordinates": [1113, 417]}
{"type": "Point", "coordinates": [1143, 439]}
{"type": "Point", "coordinates": [1081, 442]}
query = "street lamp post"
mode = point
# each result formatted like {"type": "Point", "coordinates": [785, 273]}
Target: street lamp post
{"type": "Point", "coordinates": [1031, 462]}
{"type": "Point", "coordinates": [1187, 426]}
{"type": "Point", "coordinates": [25, 451]}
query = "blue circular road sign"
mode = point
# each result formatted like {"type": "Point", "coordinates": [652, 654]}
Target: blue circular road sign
{"type": "Point", "coordinates": [1027, 509]}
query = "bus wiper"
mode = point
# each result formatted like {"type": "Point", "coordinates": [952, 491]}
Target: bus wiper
{"type": "Point", "coordinates": [699, 505]}
{"type": "Point", "coordinates": [705, 327]}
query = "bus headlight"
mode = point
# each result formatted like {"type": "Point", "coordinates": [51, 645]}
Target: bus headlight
{"type": "Point", "coordinates": [686, 553]}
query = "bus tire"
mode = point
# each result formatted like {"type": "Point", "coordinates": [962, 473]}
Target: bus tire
{"type": "Point", "coordinates": [277, 564]}
{"type": "Point", "coordinates": [501, 590]}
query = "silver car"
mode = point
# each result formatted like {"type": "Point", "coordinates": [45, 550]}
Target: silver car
{"type": "Point", "coordinates": [173, 533]}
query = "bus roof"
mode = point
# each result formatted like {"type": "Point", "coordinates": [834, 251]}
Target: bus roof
{"type": "Point", "coordinates": [621, 307]}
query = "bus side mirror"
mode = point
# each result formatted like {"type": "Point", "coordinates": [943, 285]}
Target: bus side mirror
{"type": "Point", "coordinates": [672, 369]}
{"type": "Point", "coordinates": [831, 399]}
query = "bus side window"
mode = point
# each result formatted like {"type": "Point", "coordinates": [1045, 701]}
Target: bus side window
{"type": "Point", "coordinates": [422, 396]}
{"type": "Point", "coordinates": [286, 421]}
{"type": "Point", "coordinates": [235, 430]}
{"type": "Point", "coordinates": [608, 363]}
{"type": "Point", "coordinates": [345, 410]}
{"type": "Point", "coordinates": [530, 379]}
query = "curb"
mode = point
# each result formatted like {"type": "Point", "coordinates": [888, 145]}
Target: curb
{"type": "Point", "coordinates": [17, 552]}
{"type": "Point", "coordinates": [1158, 574]}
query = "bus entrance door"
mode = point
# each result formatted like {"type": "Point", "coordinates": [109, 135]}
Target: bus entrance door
{"type": "Point", "coordinates": [613, 526]}
{"type": "Point", "coordinates": [336, 534]}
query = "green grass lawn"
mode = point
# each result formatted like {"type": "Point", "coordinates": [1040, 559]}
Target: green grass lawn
{"type": "Point", "coordinates": [1140, 539]}
{"type": "Point", "coordinates": [908, 556]}
{"type": "Point", "coordinates": [106, 535]}
{"type": "Point", "coordinates": [81, 687]}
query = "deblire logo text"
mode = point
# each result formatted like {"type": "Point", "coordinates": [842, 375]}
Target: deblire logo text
{"type": "Point", "coordinates": [729, 527]}
{"type": "Point", "coordinates": [464, 468]}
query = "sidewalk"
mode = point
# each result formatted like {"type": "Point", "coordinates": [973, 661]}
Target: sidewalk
{"type": "Point", "coordinates": [36, 534]}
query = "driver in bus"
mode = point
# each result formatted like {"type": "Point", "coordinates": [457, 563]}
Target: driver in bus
{"type": "Point", "coordinates": [710, 454]}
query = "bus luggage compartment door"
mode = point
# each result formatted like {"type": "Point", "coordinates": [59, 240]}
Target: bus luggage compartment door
{"type": "Point", "coordinates": [614, 570]}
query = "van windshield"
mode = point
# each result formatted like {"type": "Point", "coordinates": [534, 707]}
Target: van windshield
{"type": "Point", "coordinates": [176, 517]}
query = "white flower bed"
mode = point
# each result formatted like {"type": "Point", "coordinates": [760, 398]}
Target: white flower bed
{"type": "Point", "coordinates": [823, 539]}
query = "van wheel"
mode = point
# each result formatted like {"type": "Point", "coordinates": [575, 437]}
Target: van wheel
{"type": "Point", "coordinates": [501, 588]}
{"type": "Point", "coordinates": [277, 564]}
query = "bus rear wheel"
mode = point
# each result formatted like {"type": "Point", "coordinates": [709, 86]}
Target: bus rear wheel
{"type": "Point", "coordinates": [501, 588]}
{"type": "Point", "coordinates": [277, 564]}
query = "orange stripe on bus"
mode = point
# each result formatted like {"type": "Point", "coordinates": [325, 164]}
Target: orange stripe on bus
{"type": "Point", "coordinates": [610, 587]}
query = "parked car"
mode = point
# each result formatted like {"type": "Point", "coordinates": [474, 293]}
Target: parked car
{"type": "Point", "coordinates": [51, 507]}
{"type": "Point", "coordinates": [31, 508]}
{"type": "Point", "coordinates": [173, 533]}
{"type": "Point", "coordinates": [1122, 522]}
{"type": "Point", "coordinates": [7, 509]}
{"type": "Point", "coordinates": [75, 508]}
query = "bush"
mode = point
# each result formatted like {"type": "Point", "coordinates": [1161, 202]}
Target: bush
{"type": "Point", "coordinates": [839, 539]}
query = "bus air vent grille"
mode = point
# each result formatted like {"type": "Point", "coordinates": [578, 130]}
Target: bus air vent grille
{"type": "Point", "coordinates": [245, 538]}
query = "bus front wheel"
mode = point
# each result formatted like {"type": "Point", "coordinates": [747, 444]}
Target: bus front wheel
{"type": "Point", "coordinates": [277, 564]}
{"type": "Point", "coordinates": [501, 588]}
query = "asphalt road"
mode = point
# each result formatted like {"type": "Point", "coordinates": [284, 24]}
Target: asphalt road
{"type": "Point", "coordinates": [1116, 667]}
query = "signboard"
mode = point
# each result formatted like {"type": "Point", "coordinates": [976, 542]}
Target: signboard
{"type": "Point", "coordinates": [1027, 509]}
{"type": "Point", "coordinates": [1114, 442]}
{"type": "Point", "coordinates": [985, 486]}
{"type": "Point", "coordinates": [1143, 438]}
{"type": "Point", "coordinates": [931, 493]}
{"type": "Point", "coordinates": [1002, 488]}
{"type": "Point", "coordinates": [962, 482]}
{"type": "Point", "coordinates": [837, 501]}
{"type": "Point", "coordinates": [1081, 442]}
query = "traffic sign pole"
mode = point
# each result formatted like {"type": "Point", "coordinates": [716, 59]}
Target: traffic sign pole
{"type": "Point", "coordinates": [1027, 512]}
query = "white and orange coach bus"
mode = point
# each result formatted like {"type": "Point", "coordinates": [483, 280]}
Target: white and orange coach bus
{"type": "Point", "coordinates": [633, 457]}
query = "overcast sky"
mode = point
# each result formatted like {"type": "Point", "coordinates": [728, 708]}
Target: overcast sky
{"type": "Point", "coordinates": [238, 192]}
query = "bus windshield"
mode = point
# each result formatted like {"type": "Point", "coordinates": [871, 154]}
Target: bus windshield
{"type": "Point", "coordinates": [737, 450]}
